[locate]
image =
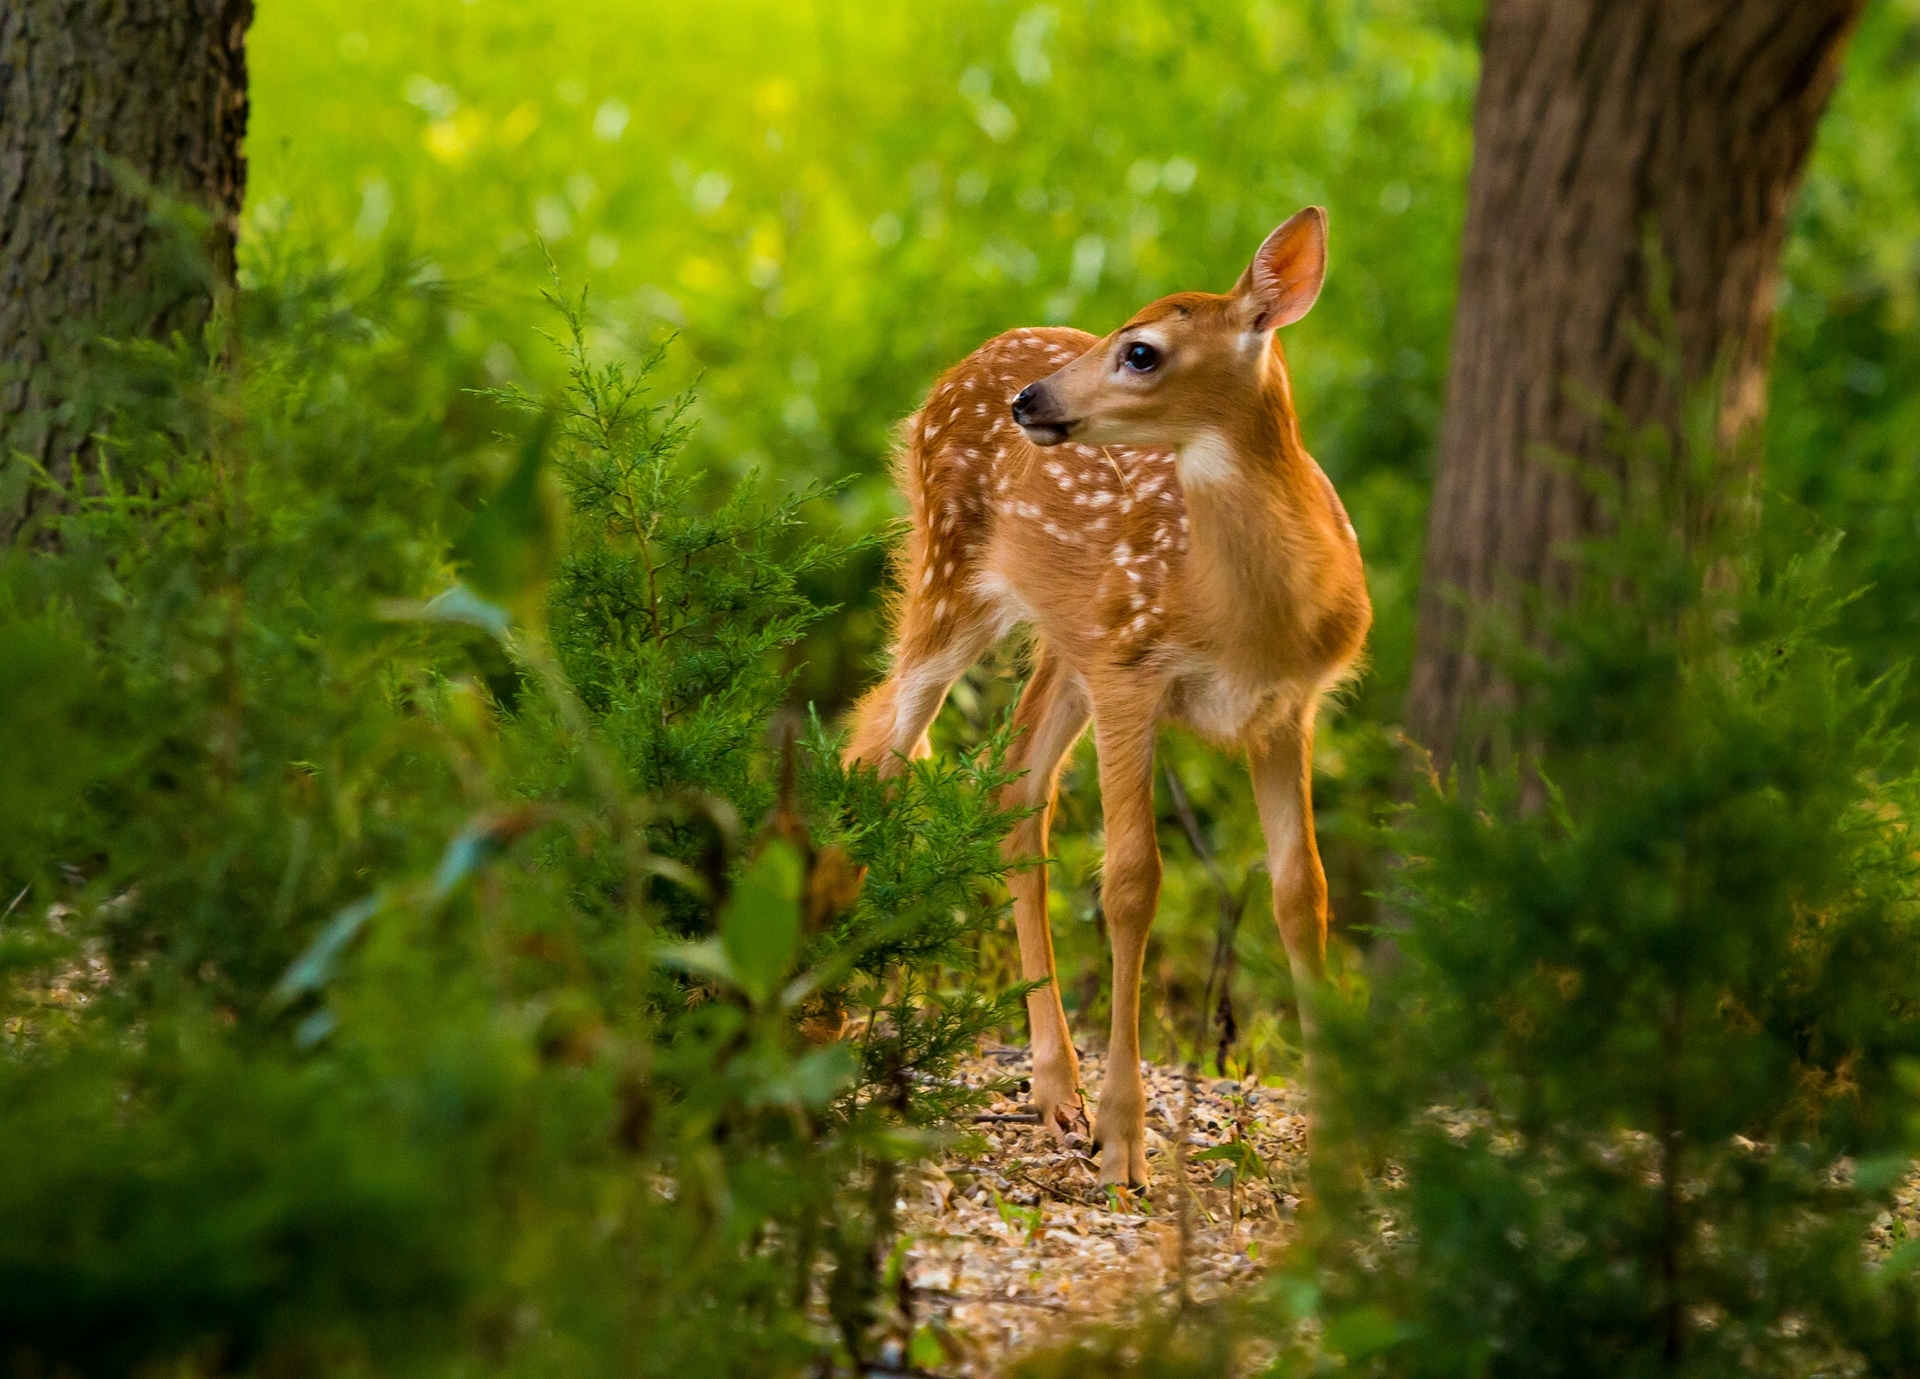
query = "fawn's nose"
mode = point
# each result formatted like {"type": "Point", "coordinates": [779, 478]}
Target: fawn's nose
{"type": "Point", "coordinates": [1029, 403]}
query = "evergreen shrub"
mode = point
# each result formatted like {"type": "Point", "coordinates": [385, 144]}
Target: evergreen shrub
{"type": "Point", "coordinates": [413, 961]}
{"type": "Point", "coordinates": [1644, 1073]}
{"type": "Point", "coordinates": [1647, 1072]}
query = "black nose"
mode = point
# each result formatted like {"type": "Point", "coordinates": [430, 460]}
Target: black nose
{"type": "Point", "coordinates": [1025, 401]}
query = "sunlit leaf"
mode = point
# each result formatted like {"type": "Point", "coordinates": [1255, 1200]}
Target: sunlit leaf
{"type": "Point", "coordinates": [707, 958]}
{"type": "Point", "coordinates": [314, 967]}
{"type": "Point", "coordinates": [761, 924]}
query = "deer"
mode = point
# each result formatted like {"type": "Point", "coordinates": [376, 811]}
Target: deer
{"type": "Point", "coordinates": [1144, 504]}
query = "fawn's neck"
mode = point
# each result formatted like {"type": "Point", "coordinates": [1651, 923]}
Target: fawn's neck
{"type": "Point", "coordinates": [1264, 540]}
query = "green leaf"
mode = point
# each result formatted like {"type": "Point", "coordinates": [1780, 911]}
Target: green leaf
{"type": "Point", "coordinates": [926, 1351]}
{"type": "Point", "coordinates": [706, 958]}
{"type": "Point", "coordinates": [1877, 1174]}
{"type": "Point", "coordinates": [460, 604]}
{"type": "Point", "coordinates": [813, 1081]}
{"type": "Point", "coordinates": [511, 546]}
{"type": "Point", "coordinates": [475, 846]}
{"type": "Point", "coordinates": [1364, 1331]}
{"type": "Point", "coordinates": [1241, 1154]}
{"type": "Point", "coordinates": [760, 927]}
{"type": "Point", "coordinates": [314, 967]}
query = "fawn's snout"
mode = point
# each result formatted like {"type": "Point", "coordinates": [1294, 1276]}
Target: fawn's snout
{"type": "Point", "coordinates": [1037, 412]}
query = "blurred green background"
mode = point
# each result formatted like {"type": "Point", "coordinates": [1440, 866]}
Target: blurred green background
{"type": "Point", "coordinates": [827, 203]}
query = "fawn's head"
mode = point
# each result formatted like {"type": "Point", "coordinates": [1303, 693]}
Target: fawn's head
{"type": "Point", "coordinates": [1182, 366]}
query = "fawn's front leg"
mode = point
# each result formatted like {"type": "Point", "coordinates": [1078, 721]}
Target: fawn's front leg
{"type": "Point", "coordinates": [1130, 891]}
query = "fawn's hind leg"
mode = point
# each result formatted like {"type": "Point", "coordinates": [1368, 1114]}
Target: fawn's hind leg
{"type": "Point", "coordinates": [1282, 767]}
{"type": "Point", "coordinates": [890, 724]}
{"type": "Point", "coordinates": [1052, 714]}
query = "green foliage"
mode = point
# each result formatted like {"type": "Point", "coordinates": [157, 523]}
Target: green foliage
{"type": "Point", "coordinates": [666, 616]}
{"type": "Point", "coordinates": [1842, 429]}
{"type": "Point", "coordinates": [831, 203]}
{"type": "Point", "coordinates": [389, 985]}
{"type": "Point", "coordinates": [387, 981]}
{"type": "Point", "coordinates": [923, 843]}
{"type": "Point", "coordinates": [1647, 1069]}
{"type": "Point", "coordinates": [1648, 1064]}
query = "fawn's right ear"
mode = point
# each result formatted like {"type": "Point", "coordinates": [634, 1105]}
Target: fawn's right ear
{"type": "Point", "coordinates": [1283, 281]}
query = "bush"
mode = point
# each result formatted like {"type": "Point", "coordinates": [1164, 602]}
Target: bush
{"type": "Point", "coordinates": [1646, 1074]}
{"type": "Point", "coordinates": [1645, 1070]}
{"type": "Point", "coordinates": [391, 983]}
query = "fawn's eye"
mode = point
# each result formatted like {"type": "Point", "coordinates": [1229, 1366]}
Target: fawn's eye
{"type": "Point", "coordinates": [1141, 357]}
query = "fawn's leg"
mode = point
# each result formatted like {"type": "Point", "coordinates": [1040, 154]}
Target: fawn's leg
{"type": "Point", "coordinates": [1282, 766]}
{"type": "Point", "coordinates": [1051, 716]}
{"type": "Point", "coordinates": [890, 723]}
{"type": "Point", "coordinates": [1130, 891]}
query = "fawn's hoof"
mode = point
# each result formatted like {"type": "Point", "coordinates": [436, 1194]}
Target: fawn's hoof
{"type": "Point", "coordinates": [1123, 1156]}
{"type": "Point", "coordinates": [1062, 1106]}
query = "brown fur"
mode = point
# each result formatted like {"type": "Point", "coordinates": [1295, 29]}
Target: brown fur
{"type": "Point", "coordinates": [1180, 556]}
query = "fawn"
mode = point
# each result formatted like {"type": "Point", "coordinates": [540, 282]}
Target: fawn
{"type": "Point", "coordinates": [1145, 502]}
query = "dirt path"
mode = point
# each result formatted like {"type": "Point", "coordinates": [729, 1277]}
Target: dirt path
{"type": "Point", "coordinates": [1016, 1245]}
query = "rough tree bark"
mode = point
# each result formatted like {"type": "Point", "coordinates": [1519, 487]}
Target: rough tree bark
{"type": "Point", "coordinates": [1599, 122]}
{"type": "Point", "coordinates": [101, 103]}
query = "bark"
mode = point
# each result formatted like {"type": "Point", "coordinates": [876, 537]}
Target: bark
{"type": "Point", "coordinates": [1600, 123]}
{"type": "Point", "coordinates": [111, 112]}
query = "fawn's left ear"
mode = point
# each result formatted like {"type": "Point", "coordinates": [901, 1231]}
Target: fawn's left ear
{"type": "Point", "coordinates": [1282, 282]}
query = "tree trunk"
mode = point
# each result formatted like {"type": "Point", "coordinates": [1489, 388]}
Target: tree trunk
{"type": "Point", "coordinates": [110, 111]}
{"type": "Point", "coordinates": [1600, 123]}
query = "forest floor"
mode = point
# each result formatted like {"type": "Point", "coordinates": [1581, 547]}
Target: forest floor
{"type": "Point", "coordinates": [1012, 1246]}
{"type": "Point", "coordinates": [1015, 1246]}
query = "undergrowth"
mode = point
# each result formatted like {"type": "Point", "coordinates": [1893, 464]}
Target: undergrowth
{"type": "Point", "coordinates": [433, 945]}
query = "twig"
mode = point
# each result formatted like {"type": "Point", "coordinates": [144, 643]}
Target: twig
{"type": "Point", "coordinates": [1018, 1119]}
{"type": "Point", "coordinates": [951, 1296]}
{"type": "Point", "coordinates": [1182, 1131]}
{"type": "Point", "coordinates": [1016, 1174]}
{"type": "Point", "coordinates": [15, 904]}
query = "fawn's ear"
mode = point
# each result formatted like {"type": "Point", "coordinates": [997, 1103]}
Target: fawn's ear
{"type": "Point", "coordinates": [1282, 282]}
